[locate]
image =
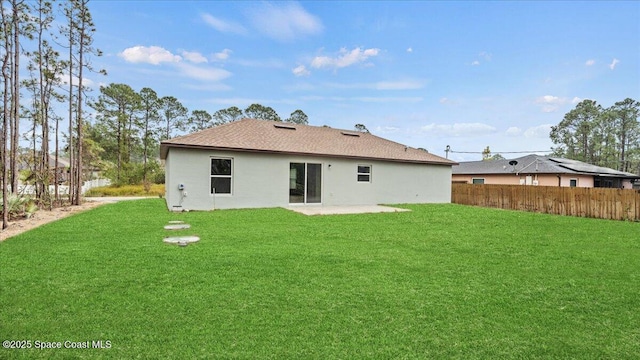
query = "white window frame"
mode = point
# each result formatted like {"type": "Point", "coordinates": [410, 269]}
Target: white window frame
{"type": "Point", "coordinates": [230, 176]}
{"type": "Point", "coordinates": [368, 174]}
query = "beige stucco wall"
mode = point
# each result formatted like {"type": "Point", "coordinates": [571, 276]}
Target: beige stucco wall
{"type": "Point", "coordinates": [515, 179]}
{"type": "Point", "coordinates": [262, 180]}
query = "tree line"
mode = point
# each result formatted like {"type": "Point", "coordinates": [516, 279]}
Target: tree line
{"type": "Point", "coordinates": [608, 137]}
{"type": "Point", "coordinates": [57, 44]}
{"type": "Point", "coordinates": [130, 125]}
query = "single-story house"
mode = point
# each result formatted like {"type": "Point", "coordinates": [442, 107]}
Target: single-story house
{"type": "Point", "coordinates": [256, 163]}
{"type": "Point", "coordinates": [541, 170]}
{"type": "Point", "coordinates": [26, 163]}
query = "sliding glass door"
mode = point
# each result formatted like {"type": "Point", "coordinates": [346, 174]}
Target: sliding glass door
{"type": "Point", "coordinates": [305, 183]}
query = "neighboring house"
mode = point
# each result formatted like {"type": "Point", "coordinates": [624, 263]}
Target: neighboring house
{"type": "Point", "coordinates": [257, 163]}
{"type": "Point", "coordinates": [25, 163]}
{"type": "Point", "coordinates": [543, 171]}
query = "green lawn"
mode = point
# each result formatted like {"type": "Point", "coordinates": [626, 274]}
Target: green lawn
{"type": "Point", "coordinates": [442, 281]}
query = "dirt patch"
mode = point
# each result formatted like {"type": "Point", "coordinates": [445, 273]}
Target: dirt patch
{"type": "Point", "coordinates": [42, 217]}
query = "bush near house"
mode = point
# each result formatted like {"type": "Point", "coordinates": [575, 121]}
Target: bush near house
{"type": "Point", "coordinates": [126, 190]}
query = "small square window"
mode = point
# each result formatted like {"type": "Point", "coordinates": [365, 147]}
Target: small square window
{"type": "Point", "coordinates": [364, 173]}
{"type": "Point", "coordinates": [573, 182]}
{"type": "Point", "coordinates": [477, 181]}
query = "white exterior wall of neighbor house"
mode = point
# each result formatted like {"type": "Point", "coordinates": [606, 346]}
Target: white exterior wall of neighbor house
{"type": "Point", "coordinates": [262, 180]}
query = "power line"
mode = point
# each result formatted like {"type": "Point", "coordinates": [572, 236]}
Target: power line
{"type": "Point", "coordinates": [500, 152]}
{"type": "Point", "coordinates": [448, 150]}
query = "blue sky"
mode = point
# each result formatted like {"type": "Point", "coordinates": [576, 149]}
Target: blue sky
{"type": "Point", "coordinates": [426, 74]}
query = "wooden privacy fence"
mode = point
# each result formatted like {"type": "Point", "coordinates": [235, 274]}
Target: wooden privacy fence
{"type": "Point", "coordinates": [599, 203]}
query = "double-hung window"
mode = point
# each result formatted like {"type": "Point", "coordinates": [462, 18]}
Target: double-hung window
{"type": "Point", "coordinates": [221, 173]}
{"type": "Point", "coordinates": [364, 173]}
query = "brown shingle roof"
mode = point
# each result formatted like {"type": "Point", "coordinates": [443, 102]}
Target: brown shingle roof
{"type": "Point", "coordinates": [276, 137]}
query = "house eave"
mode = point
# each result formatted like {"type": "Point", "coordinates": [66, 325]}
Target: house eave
{"type": "Point", "coordinates": [164, 150]}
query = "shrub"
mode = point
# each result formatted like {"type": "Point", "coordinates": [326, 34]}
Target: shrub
{"type": "Point", "coordinates": [126, 190]}
{"type": "Point", "coordinates": [159, 177]}
{"type": "Point", "coordinates": [19, 206]}
{"type": "Point", "coordinates": [133, 173]}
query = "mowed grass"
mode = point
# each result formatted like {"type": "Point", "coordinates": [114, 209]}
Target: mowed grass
{"type": "Point", "coordinates": [442, 281]}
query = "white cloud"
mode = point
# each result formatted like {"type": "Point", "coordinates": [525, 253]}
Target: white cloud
{"type": "Point", "coordinates": [344, 58]}
{"type": "Point", "coordinates": [590, 62]}
{"type": "Point", "coordinates": [64, 79]}
{"type": "Point", "coordinates": [410, 50]}
{"type": "Point", "coordinates": [549, 99]}
{"type": "Point", "coordinates": [576, 100]}
{"type": "Point", "coordinates": [459, 129]}
{"type": "Point", "coordinates": [222, 25]}
{"type": "Point", "coordinates": [540, 131]}
{"type": "Point", "coordinates": [386, 129]}
{"type": "Point", "coordinates": [514, 131]}
{"type": "Point", "coordinates": [483, 55]}
{"type": "Point", "coordinates": [150, 55]}
{"type": "Point", "coordinates": [614, 63]}
{"type": "Point", "coordinates": [222, 55]}
{"type": "Point", "coordinates": [285, 21]}
{"type": "Point", "coordinates": [157, 55]}
{"type": "Point", "coordinates": [301, 71]}
{"type": "Point", "coordinates": [194, 57]}
{"type": "Point", "coordinates": [443, 100]}
{"type": "Point", "coordinates": [550, 103]}
{"type": "Point", "coordinates": [202, 73]}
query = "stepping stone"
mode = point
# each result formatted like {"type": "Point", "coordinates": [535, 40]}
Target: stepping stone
{"type": "Point", "coordinates": [181, 240]}
{"type": "Point", "coordinates": [176, 226]}
{"type": "Point", "coordinates": [176, 222]}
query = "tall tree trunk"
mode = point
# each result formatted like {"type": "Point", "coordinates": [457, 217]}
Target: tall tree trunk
{"type": "Point", "coordinates": [44, 114]}
{"type": "Point", "coordinates": [15, 104]}
{"type": "Point", "coordinates": [5, 118]}
{"type": "Point", "coordinates": [72, 165]}
{"type": "Point", "coordinates": [145, 139]}
{"type": "Point", "coordinates": [5, 123]}
{"type": "Point", "coordinates": [78, 180]}
{"type": "Point", "coordinates": [56, 178]}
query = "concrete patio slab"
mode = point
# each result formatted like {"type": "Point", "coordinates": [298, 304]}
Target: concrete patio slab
{"type": "Point", "coordinates": [347, 209]}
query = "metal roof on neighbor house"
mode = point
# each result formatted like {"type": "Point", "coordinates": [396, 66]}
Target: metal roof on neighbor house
{"type": "Point", "coordinates": [531, 164]}
{"type": "Point", "coordinates": [276, 137]}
